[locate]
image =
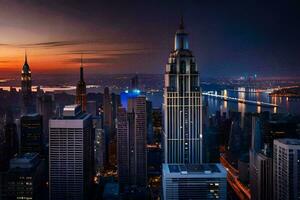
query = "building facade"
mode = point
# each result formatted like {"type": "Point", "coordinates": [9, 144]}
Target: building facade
{"type": "Point", "coordinates": [70, 155]}
{"type": "Point", "coordinates": [24, 179]}
{"type": "Point", "coordinates": [182, 104]}
{"type": "Point", "coordinates": [286, 169]}
{"type": "Point", "coordinates": [31, 133]}
{"type": "Point", "coordinates": [132, 142]}
{"type": "Point", "coordinates": [194, 181]}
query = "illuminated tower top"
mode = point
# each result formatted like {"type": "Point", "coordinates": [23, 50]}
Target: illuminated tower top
{"type": "Point", "coordinates": [26, 77]}
{"type": "Point", "coordinates": [181, 38]}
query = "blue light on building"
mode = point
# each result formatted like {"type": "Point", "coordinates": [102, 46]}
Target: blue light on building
{"type": "Point", "coordinates": [127, 94]}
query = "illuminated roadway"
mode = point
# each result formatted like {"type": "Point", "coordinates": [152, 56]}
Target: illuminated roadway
{"type": "Point", "coordinates": [239, 188]}
{"type": "Point", "coordinates": [226, 98]}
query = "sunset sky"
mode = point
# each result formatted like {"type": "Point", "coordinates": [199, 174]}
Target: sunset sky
{"type": "Point", "coordinates": [228, 39]}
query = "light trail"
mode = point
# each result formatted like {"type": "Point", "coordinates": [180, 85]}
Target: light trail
{"type": "Point", "coordinates": [239, 188]}
{"type": "Point", "coordinates": [226, 98]}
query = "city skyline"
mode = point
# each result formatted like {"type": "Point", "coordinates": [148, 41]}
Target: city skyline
{"type": "Point", "coordinates": [149, 100]}
{"type": "Point", "coordinates": [119, 37]}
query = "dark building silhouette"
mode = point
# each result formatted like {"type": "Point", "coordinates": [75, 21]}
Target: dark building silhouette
{"type": "Point", "coordinates": [132, 137]}
{"type": "Point", "coordinates": [45, 108]}
{"type": "Point", "coordinates": [26, 90]}
{"type": "Point", "coordinates": [32, 133]}
{"type": "Point", "coordinates": [24, 179]}
{"type": "Point", "coordinates": [81, 90]}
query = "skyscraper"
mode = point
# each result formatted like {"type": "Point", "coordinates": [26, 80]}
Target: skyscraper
{"type": "Point", "coordinates": [32, 133]}
{"type": "Point", "coordinates": [81, 90]}
{"type": "Point", "coordinates": [24, 179]}
{"type": "Point", "coordinates": [27, 104]}
{"type": "Point", "coordinates": [70, 155]}
{"type": "Point", "coordinates": [182, 104]}
{"type": "Point", "coordinates": [107, 108]}
{"type": "Point", "coordinates": [45, 108]}
{"type": "Point", "coordinates": [286, 169]}
{"type": "Point", "coordinates": [131, 138]}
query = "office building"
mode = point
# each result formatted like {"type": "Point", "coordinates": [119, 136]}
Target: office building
{"type": "Point", "coordinates": [91, 107]}
{"type": "Point", "coordinates": [194, 181]}
{"type": "Point", "coordinates": [31, 133]}
{"type": "Point", "coordinates": [25, 178]}
{"type": "Point", "coordinates": [261, 164]}
{"type": "Point", "coordinates": [45, 107]}
{"type": "Point", "coordinates": [286, 169]}
{"type": "Point", "coordinates": [131, 148]}
{"type": "Point", "coordinates": [70, 155]}
{"type": "Point", "coordinates": [182, 104]}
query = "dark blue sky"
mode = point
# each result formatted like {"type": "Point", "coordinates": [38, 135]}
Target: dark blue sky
{"type": "Point", "coordinates": [228, 38]}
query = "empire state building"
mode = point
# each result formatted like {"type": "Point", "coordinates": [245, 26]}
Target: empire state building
{"type": "Point", "coordinates": [26, 84]}
{"type": "Point", "coordinates": [182, 104]}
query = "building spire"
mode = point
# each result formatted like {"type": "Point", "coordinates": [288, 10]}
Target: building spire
{"type": "Point", "coordinates": [181, 25]}
{"type": "Point", "coordinates": [25, 56]}
{"type": "Point", "coordinates": [81, 69]}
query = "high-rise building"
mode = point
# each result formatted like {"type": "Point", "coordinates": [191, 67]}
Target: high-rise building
{"type": "Point", "coordinates": [194, 181]}
{"type": "Point", "coordinates": [182, 104]}
{"type": "Point", "coordinates": [91, 107]}
{"type": "Point", "coordinates": [107, 108]}
{"type": "Point", "coordinates": [261, 176]}
{"type": "Point", "coordinates": [11, 138]}
{"type": "Point", "coordinates": [26, 83]}
{"type": "Point", "coordinates": [132, 140]}
{"type": "Point", "coordinates": [286, 169]}
{"type": "Point", "coordinates": [24, 179]}
{"type": "Point", "coordinates": [81, 90]}
{"type": "Point", "coordinates": [149, 122]}
{"type": "Point", "coordinates": [261, 165]}
{"type": "Point", "coordinates": [45, 108]}
{"type": "Point", "coordinates": [70, 155]}
{"type": "Point", "coordinates": [32, 133]}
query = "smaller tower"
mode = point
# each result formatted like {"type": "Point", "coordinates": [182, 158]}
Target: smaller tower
{"type": "Point", "coordinates": [26, 90]}
{"type": "Point", "coordinates": [81, 90]}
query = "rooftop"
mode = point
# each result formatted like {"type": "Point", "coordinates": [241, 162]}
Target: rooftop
{"type": "Point", "coordinates": [24, 161]}
{"type": "Point", "coordinates": [193, 169]}
{"type": "Point", "coordinates": [288, 141]}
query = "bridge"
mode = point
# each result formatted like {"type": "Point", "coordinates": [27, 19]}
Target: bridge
{"type": "Point", "coordinates": [226, 98]}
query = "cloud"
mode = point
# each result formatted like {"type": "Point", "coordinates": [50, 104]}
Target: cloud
{"type": "Point", "coordinates": [4, 61]}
